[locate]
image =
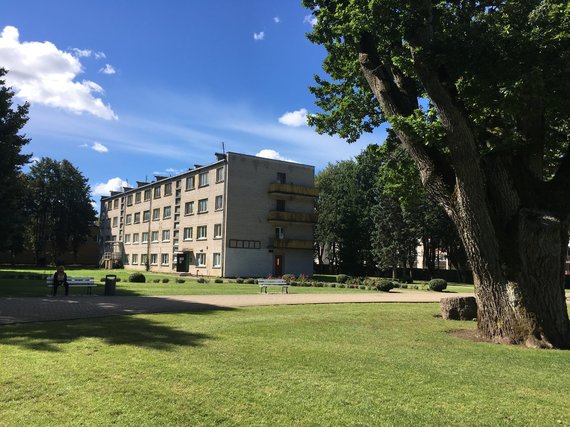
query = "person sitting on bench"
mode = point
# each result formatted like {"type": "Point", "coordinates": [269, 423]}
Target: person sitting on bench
{"type": "Point", "coordinates": [60, 278]}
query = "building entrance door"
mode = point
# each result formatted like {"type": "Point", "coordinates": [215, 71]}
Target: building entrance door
{"type": "Point", "coordinates": [278, 265]}
{"type": "Point", "coordinates": [182, 262]}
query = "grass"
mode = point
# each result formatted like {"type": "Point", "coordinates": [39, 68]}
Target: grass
{"type": "Point", "coordinates": [364, 364]}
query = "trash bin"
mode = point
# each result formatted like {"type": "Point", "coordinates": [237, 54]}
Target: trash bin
{"type": "Point", "coordinates": [110, 283]}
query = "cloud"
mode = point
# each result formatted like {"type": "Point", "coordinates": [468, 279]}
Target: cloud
{"type": "Point", "coordinates": [310, 19]}
{"type": "Point", "coordinates": [114, 184]}
{"type": "Point", "coordinates": [100, 148]}
{"type": "Point", "coordinates": [267, 153]}
{"type": "Point", "coordinates": [169, 172]}
{"type": "Point", "coordinates": [294, 118]}
{"type": "Point", "coordinates": [81, 53]}
{"type": "Point", "coordinates": [41, 73]}
{"type": "Point", "coordinates": [276, 19]}
{"type": "Point", "coordinates": [259, 36]}
{"type": "Point", "coordinates": [100, 55]}
{"type": "Point", "coordinates": [107, 69]}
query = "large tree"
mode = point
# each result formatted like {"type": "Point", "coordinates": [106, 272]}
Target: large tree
{"type": "Point", "coordinates": [478, 94]}
{"type": "Point", "coordinates": [12, 188]}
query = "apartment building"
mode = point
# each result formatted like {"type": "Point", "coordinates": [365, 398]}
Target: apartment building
{"type": "Point", "coordinates": [241, 216]}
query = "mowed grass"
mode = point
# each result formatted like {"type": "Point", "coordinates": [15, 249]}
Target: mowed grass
{"type": "Point", "coordinates": [313, 365]}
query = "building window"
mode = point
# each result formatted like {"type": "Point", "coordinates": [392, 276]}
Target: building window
{"type": "Point", "coordinates": [144, 237]}
{"type": "Point", "coordinates": [144, 259]}
{"type": "Point", "coordinates": [190, 183]}
{"type": "Point", "coordinates": [279, 233]}
{"type": "Point", "coordinates": [164, 258]}
{"type": "Point", "coordinates": [129, 200]}
{"type": "Point", "coordinates": [146, 216]}
{"type": "Point", "coordinates": [127, 259]}
{"type": "Point", "coordinates": [146, 195]}
{"type": "Point", "coordinates": [201, 260]}
{"type": "Point", "coordinates": [217, 260]}
{"type": "Point", "coordinates": [168, 189]}
{"type": "Point", "coordinates": [203, 179]}
{"type": "Point", "coordinates": [281, 178]}
{"type": "Point", "coordinates": [220, 174]}
{"type": "Point", "coordinates": [202, 232]}
{"type": "Point", "coordinates": [280, 205]}
{"type": "Point", "coordinates": [178, 183]}
{"type": "Point", "coordinates": [109, 205]}
{"type": "Point", "coordinates": [115, 203]}
{"type": "Point", "coordinates": [165, 235]}
{"type": "Point", "coordinates": [156, 214]}
{"type": "Point", "coordinates": [154, 236]}
{"type": "Point", "coordinates": [153, 259]}
{"type": "Point", "coordinates": [115, 221]}
{"type": "Point", "coordinates": [157, 192]}
{"type": "Point", "coordinates": [138, 197]}
{"type": "Point", "coordinates": [202, 205]}
{"type": "Point", "coordinates": [135, 238]}
{"type": "Point", "coordinates": [128, 219]}
{"type": "Point", "coordinates": [135, 259]}
{"type": "Point", "coordinates": [189, 208]}
{"type": "Point", "coordinates": [167, 212]}
{"type": "Point", "coordinates": [127, 239]}
{"type": "Point", "coordinates": [137, 217]}
{"type": "Point", "coordinates": [217, 231]}
{"type": "Point", "coordinates": [219, 203]}
{"type": "Point", "coordinates": [188, 233]}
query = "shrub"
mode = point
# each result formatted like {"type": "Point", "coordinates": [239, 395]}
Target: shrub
{"type": "Point", "coordinates": [250, 281]}
{"type": "Point", "coordinates": [302, 278]}
{"type": "Point", "coordinates": [288, 277]}
{"type": "Point", "coordinates": [414, 287]}
{"type": "Point", "coordinates": [155, 280]}
{"type": "Point", "coordinates": [133, 278]}
{"type": "Point", "coordinates": [180, 281]}
{"type": "Point", "coordinates": [218, 280]}
{"type": "Point", "coordinates": [294, 284]}
{"type": "Point", "coordinates": [165, 280]}
{"type": "Point", "coordinates": [362, 287]}
{"type": "Point", "coordinates": [385, 285]}
{"type": "Point", "coordinates": [404, 286]}
{"type": "Point", "coordinates": [202, 280]}
{"type": "Point", "coordinates": [102, 279]}
{"type": "Point", "coordinates": [332, 285]}
{"type": "Point", "coordinates": [397, 285]}
{"type": "Point", "coordinates": [319, 284]}
{"type": "Point", "coordinates": [239, 280]}
{"type": "Point", "coordinates": [437, 285]}
{"type": "Point", "coordinates": [118, 279]}
{"type": "Point", "coordinates": [342, 278]}
{"type": "Point", "coordinates": [341, 285]}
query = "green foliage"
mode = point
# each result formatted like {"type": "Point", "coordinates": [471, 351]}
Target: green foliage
{"type": "Point", "coordinates": [437, 285]}
{"type": "Point", "coordinates": [155, 280]}
{"type": "Point", "coordinates": [239, 280]}
{"type": "Point", "coordinates": [165, 280]}
{"type": "Point", "coordinates": [218, 280]}
{"type": "Point", "coordinates": [384, 285]}
{"type": "Point", "coordinates": [342, 278]}
{"type": "Point", "coordinates": [202, 280]}
{"type": "Point", "coordinates": [134, 278]}
{"type": "Point", "coordinates": [288, 277]}
{"type": "Point", "coordinates": [250, 281]}
{"type": "Point", "coordinates": [180, 281]}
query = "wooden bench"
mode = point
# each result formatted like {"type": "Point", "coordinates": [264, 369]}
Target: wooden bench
{"type": "Point", "coordinates": [76, 282]}
{"type": "Point", "coordinates": [265, 283]}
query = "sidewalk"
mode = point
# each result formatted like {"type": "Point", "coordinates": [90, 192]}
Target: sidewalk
{"type": "Point", "coordinates": [31, 309]}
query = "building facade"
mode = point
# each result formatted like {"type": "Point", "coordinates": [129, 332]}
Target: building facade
{"type": "Point", "coordinates": [241, 216]}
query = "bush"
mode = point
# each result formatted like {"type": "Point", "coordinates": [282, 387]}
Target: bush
{"type": "Point", "coordinates": [180, 281]}
{"type": "Point", "coordinates": [363, 287]}
{"type": "Point", "coordinates": [239, 280]}
{"type": "Point", "coordinates": [341, 285]}
{"type": "Point", "coordinates": [165, 280]}
{"type": "Point", "coordinates": [342, 278]}
{"type": "Point", "coordinates": [302, 278]}
{"type": "Point", "coordinates": [133, 278]}
{"type": "Point", "coordinates": [404, 286]}
{"type": "Point", "coordinates": [202, 280]}
{"type": "Point", "coordinates": [437, 285]}
{"type": "Point", "coordinates": [155, 280]}
{"type": "Point", "coordinates": [102, 279]}
{"type": "Point", "coordinates": [118, 279]}
{"type": "Point", "coordinates": [218, 280]}
{"type": "Point", "coordinates": [332, 284]}
{"type": "Point", "coordinates": [288, 277]}
{"type": "Point", "coordinates": [319, 284]}
{"type": "Point", "coordinates": [397, 285]}
{"type": "Point", "coordinates": [385, 285]}
{"type": "Point", "coordinates": [250, 281]}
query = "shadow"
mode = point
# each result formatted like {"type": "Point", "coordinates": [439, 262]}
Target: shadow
{"type": "Point", "coordinates": [117, 328]}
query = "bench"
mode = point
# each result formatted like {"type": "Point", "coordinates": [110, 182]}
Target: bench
{"type": "Point", "coordinates": [265, 283]}
{"type": "Point", "coordinates": [76, 282]}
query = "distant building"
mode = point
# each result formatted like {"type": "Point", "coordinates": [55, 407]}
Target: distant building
{"type": "Point", "coordinates": [239, 216]}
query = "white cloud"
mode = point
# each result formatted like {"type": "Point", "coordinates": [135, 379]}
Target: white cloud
{"type": "Point", "coordinates": [100, 55]}
{"type": "Point", "coordinates": [294, 118]}
{"type": "Point", "coordinates": [107, 69]}
{"type": "Point", "coordinates": [267, 153]}
{"type": "Point", "coordinates": [310, 19]}
{"type": "Point", "coordinates": [169, 172]}
{"type": "Point", "coordinates": [114, 184]}
{"type": "Point", "coordinates": [276, 19]}
{"type": "Point", "coordinates": [41, 73]}
{"type": "Point", "coordinates": [259, 36]}
{"type": "Point", "coordinates": [81, 53]}
{"type": "Point", "coordinates": [100, 148]}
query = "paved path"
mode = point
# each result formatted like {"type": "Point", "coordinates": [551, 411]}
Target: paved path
{"type": "Point", "coordinates": [31, 309]}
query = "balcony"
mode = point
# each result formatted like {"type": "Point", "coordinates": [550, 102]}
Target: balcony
{"type": "Point", "coordinates": [291, 191]}
{"type": "Point", "coordinates": [283, 217]}
{"type": "Point", "coordinates": [292, 244]}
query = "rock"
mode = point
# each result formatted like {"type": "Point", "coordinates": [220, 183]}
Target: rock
{"type": "Point", "coordinates": [458, 308]}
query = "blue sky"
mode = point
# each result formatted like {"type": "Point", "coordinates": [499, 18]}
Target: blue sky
{"type": "Point", "coordinates": [127, 89]}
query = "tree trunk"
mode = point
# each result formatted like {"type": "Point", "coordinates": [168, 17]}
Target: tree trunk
{"type": "Point", "coordinates": [523, 301]}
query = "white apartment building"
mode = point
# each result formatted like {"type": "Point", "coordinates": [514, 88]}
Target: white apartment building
{"type": "Point", "coordinates": [241, 216]}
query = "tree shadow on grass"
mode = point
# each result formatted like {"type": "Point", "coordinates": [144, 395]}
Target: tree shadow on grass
{"type": "Point", "coordinates": [112, 330]}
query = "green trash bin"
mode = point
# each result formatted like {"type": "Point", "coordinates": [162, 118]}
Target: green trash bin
{"type": "Point", "coordinates": [110, 284]}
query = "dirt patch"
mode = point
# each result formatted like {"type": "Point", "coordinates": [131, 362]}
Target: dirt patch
{"type": "Point", "coordinates": [468, 334]}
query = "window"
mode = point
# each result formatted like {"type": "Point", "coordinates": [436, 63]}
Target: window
{"type": "Point", "coordinates": [203, 179]}
{"type": "Point", "coordinates": [146, 195]}
{"type": "Point", "coordinates": [201, 260]}
{"type": "Point", "coordinates": [281, 178]}
{"type": "Point", "coordinates": [279, 233]}
{"type": "Point", "coordinates": [189, 208]}
{"type": "Point", "coordinates": [115, 203]}
{"type": "Point", "coordinates": [154, 236]}
{"type": "Point", "coordinates": [165, 235]}
{"type": "Point", "coordinates": [138, 197]}
{"type": "Point", "coordinates": [280, 205]}
{"type": "Point", "coordinates": [135, 259]}
{"type": "Point", "coordinates": [137, 217]}
{"type": "Point", "coordinates": [167, 212]}
{"type": "Point", "coordinates": [129, 200]}
{"type": "Point", "coordinates": [164, 259]}
{"type": "Point", "coordinates": [109, 205]}
{"type": "Point", "coordinates": [127, 239]}
{"type": "Point", "coordinates": [157, 192]}
{"type": "Point", "coordinates": [144, 259]}
{"type": "Point", "coordinates": [217, 260]}
{"type": "Point", "coordinates": [135, 238]}
{"type": "Point", "coordinates": [128, 219]}
{"type": "Point", "coordinates": [190, 183]}
{"type": "Point", "coordinates": [188, 233]}
{"type": "Point", "coordinates": [153, 259]}
{"type": "Point", "coordinates": [144, 237]}
{"type": "Point", "coordinates": [201, 232]}
{"type": "Point", "coordinates": [168, 189]}
{"type": "Point", "coordinates": [178, 182]}
{"type": "Point", "coordinates": [156, 214]}
{"type": "Point", "coordinates": [115, 221]}
{"type": "Point", "coordinates": [146, 216]}
{"type": "Point", "coordinates": [220, 174]}
{"type": "Point", "coordinates": [202, 205]}
{"type": "Point", "coordinates": [219, 203]}
{"type": "Point", "coordinates": [217, 231]}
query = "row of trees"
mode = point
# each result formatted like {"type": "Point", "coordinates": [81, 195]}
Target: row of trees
{"type": "Point", "coordinates": [48, 209]}
{"type": "Point", "coordinates": [372, 213]}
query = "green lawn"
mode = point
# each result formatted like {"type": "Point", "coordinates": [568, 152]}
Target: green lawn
{"type": "Point", "coordinates": [313, 365]}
